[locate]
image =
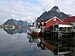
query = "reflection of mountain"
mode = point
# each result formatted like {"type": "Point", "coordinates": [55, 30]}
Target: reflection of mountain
{"type": "Point", "coordinates": [13, 31]}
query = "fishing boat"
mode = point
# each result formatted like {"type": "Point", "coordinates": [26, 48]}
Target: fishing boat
{"type": "Point", "coordinates": [36, 32]}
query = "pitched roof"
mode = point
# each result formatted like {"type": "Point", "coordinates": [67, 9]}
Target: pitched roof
{"type": "Point", "coordinates": [69, 19]}
{"type": "Point", "coordinates": [54, 18]}
{"type": "Point", "coordinates": [64, 23]}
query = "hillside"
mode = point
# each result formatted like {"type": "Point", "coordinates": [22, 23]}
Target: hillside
{"type": "Point", "coordinates": [55, 11]}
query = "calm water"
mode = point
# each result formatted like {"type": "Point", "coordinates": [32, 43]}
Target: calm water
{"type": "Point", "coordinates": [16, 43]}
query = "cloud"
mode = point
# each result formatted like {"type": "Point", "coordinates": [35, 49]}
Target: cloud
{"type": "Point", "coordinates": [20, 9]}
{"type": "Point", "coordinates": [67, 6]}
{"type": "Point", "coordinates": [28, 10]}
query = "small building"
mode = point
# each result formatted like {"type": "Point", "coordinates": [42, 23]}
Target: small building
{"type": "Point", "coordinates": [52, 21]}
{"type": "Point", "coordinates": [70, 20]}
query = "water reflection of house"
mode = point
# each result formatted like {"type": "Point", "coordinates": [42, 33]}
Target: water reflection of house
{"type": "Point", "coordinates": [45, 44]}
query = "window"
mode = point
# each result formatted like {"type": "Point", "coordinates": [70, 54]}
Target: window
{"type": "Point", "coordinates": [73, 27]}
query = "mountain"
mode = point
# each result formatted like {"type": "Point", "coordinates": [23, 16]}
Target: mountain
{"type": "Point", "coordinates": [17, 23]}
{"type": "Point", "coordinates": [55, 11]}
{"type": "Point", "coordinates": [10, 22]}
{"type": "Point", "coordinates": [22, 23]}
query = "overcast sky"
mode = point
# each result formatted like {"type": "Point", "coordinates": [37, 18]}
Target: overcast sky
{"type": "Point", "coordinates": [28, 10]}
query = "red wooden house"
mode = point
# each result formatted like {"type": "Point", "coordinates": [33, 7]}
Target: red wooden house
{"type": "Point", "coordinates": [52, 21]}
{"type": "Point", "coordinates": [70, 20]}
